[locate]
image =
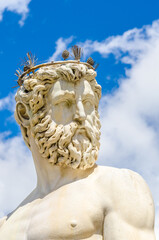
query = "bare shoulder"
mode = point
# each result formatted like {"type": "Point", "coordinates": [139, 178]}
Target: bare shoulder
{"type": "Point", "coordinates": [129, 194]}
{"type": "Point", "coordinates": [136, 181]}
{"type": "Point", "coordinates": [137, 186]}
{"type": "Point", "coordinates": [123, 178]}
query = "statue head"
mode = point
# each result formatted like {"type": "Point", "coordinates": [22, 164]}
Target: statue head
{"type": "Point", "coordinates": [58, 106]}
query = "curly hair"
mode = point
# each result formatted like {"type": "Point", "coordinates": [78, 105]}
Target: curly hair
{"type": "Point", "coordinates": [35, 87]}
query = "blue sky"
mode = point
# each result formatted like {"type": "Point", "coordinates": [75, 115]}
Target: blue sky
{"type": "Point", "coordinates": [123, 37]}
{"type": "Point", "coordinates": [46, 22]}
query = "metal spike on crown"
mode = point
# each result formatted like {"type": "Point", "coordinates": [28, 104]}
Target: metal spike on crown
{"type": "Point", "coordinates": [90, 61]}
{"type": "Point", "coordinates": [26, 67]}
{"type": "Point", "coordinates": [65, 54]}
{"type": "Point", "coordinates": [29, 63]}
{"type": "Point", "coordinates": [77, 52]}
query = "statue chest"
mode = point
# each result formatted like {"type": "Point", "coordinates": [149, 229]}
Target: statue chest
{"type": "Point", "coordinates": [66, 214]}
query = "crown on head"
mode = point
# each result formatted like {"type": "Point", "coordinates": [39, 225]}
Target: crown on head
{"type": "Point", "coordinates": [29, 63]}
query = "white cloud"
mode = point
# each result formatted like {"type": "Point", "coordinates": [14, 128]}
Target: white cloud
{"type": "Point", "coordinates": [61, 45]}
{"type": "Point", "coordinates": [17, 6]}
{"type": "Point", "coordinates": [17, 175]}
{"type": "Point", "coordinates": [127, 47]}
{"type": "Point", "coordinates": [8, 103]}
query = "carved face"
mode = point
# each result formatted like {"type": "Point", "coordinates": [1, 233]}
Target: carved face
{"type": "Point", "coordinates": [70, 130]}
{"type": "Point", "coordinates": [71, 102]}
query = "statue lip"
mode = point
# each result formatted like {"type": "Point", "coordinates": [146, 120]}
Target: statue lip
{"type": "Point", "coordinates": [81, 128]}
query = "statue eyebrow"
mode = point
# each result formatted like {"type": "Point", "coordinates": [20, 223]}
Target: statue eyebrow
{"type": "Point", "coordinates": [88, 95]}
{"type": "Point", "coordinates": [63, 96]}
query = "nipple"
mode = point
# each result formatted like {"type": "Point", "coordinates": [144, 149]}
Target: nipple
{"type": "Point", "coordinates": [73, 224]}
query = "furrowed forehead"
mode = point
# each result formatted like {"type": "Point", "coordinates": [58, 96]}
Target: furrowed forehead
{"type": "Point", "coordinates": [62, 88]}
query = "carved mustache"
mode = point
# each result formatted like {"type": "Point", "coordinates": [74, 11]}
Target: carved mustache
{"type": "Point", "coordinates": [74, 129]}
{"type": "Point", "coordinates": [87, 129]}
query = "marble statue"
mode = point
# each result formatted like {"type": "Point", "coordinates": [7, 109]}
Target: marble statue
{"type": "Point", "coordinates": [75, 199]}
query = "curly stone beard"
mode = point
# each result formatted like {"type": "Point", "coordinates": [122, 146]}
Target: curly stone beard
{"type": "Point", "coordinates": [72, 145]}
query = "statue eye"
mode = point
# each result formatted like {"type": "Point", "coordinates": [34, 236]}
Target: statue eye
{"type": "Point", "coordinates": [88, 102]}
{"type": "Point", "coordinates": [67, 103]}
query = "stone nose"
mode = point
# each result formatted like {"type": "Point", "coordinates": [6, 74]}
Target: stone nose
{"type": "Point", "coordinates": [80, 112]}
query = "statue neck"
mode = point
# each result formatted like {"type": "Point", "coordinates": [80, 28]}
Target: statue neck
{"type": "Point", "coordinates": [51, 177]}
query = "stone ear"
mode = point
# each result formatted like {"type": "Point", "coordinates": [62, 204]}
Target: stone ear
{"type": "Point", "coordinates": [21, 115]}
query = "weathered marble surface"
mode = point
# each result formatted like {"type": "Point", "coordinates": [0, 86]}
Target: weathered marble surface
{"type": "Point", "coordinates": [57, 110]}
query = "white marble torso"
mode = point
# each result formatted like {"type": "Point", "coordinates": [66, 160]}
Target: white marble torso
{"type": "Point", "coordinates": [97, 207]}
